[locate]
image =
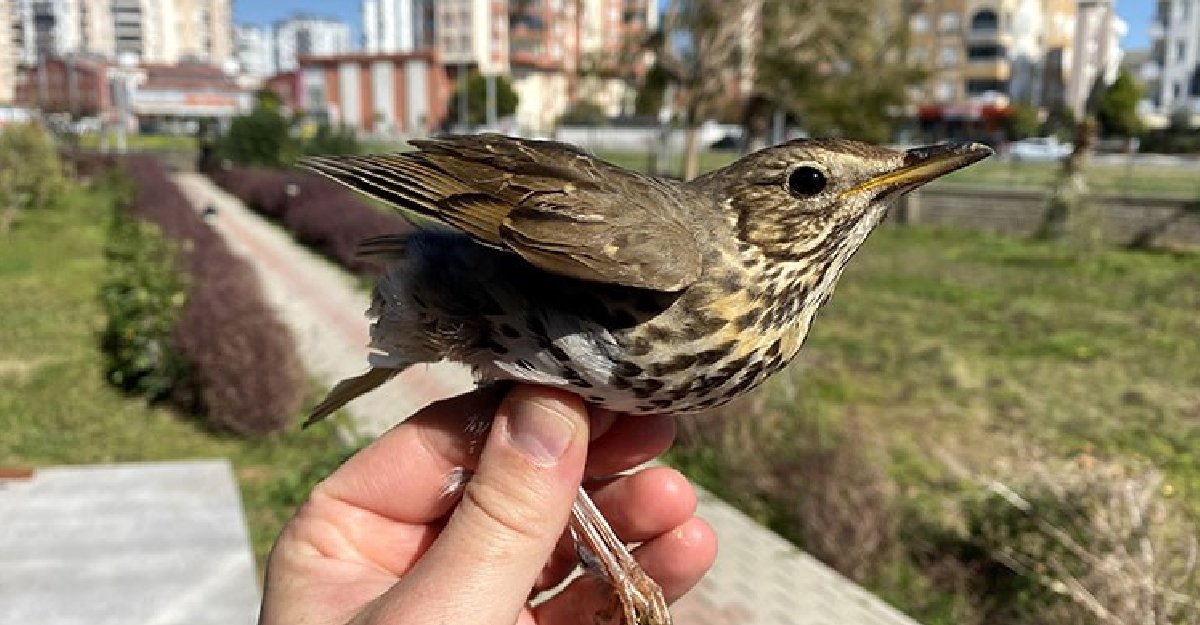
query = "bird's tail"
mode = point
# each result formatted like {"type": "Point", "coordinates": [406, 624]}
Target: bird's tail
{"type": "Point", "coordinates": [348, 389]}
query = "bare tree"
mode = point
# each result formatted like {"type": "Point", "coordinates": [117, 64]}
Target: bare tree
{"type": "Point", "coordinates": [699, 47]}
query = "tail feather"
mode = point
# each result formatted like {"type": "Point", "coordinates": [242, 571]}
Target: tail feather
{"type": "Point", "coordinates": [349, 389]}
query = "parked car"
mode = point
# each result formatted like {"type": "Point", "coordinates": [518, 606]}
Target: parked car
{"type": "Point", "coordinates": [1039, 149]}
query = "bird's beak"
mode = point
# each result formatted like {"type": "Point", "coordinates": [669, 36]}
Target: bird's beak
{"type": "Point", "coordinates": [922, 165]}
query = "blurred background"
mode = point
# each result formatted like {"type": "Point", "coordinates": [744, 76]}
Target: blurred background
{"type": "Point", "coordinates": [995, 419]}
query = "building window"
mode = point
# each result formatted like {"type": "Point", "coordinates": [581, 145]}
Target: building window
{"type": "Point", "coordinates": [919, 55]}
{"type": "Point", "coordinates": [985, 21]}
{"type": "Point", "coordinates": [986, 52]}
{"type": "Point", "coordinates": [949, 22]}
{"type": "Point", "coordinates": [948, 56]}
{"type": "Point", "coordinates": [919, 23]}
{"type": "Point", "coordinates": [1180, 50]}
{"type": "Point", "coordinates": [944, 91]}
{"type": "Point", "coordinates": [981, 86]}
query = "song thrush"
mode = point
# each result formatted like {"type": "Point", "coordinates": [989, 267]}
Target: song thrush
{"type": "Point", "coordinates": [643, 295]}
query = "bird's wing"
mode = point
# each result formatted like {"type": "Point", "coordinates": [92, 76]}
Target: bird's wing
{"type": "Point", "coordinates": [558, 208]}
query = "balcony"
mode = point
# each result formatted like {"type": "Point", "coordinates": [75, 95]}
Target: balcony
{"type": "Point", "coordinates": [995, 69]}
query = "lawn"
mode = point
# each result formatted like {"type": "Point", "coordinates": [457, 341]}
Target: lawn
{"type": "Point", "coordinates": [57, 407]}
{"type": "Point", "coordinates": [144, 142]}
{"type": "Point", "coordinates": [948, 350]}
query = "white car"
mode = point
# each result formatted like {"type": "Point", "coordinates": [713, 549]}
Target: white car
{"type": "Point", "coordinates": [1039, 149]}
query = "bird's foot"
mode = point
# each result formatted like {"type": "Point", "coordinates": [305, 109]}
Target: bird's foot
{"type": "Point", "coordinates": [638, 599]}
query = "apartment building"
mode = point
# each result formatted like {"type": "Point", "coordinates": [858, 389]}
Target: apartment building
{"type": "Point", "coordinates": [154, 31]}
{"type": "Point", "coordinates": [306, 35]}
{"type": "Point", "coordinates": [254, 50]}
{"type": "Point", "coordinates": [985, 55]}
{"type": "Point", "coordinates": [1173, 73]}
{"type": "Point", "coordinates": [8, 53]}
{"type": "Point", "coordinates": [398, 25]}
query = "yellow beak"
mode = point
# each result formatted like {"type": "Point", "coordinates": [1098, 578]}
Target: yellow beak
{"type": "Point", "coordinates": [922, 165]}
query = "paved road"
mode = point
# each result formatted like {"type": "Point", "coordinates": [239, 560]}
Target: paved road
{"type": "Point", "coordinates": [759, 578]}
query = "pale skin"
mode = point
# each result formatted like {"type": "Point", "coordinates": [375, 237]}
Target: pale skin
{"type": "Point", "coordinates": [380, 542]}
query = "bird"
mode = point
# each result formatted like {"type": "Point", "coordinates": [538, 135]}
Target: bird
{"type": "Point", "coordinates": [534, 261]}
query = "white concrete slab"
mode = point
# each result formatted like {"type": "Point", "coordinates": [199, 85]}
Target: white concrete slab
{"type": "Point", "coordinates": [131, 544]}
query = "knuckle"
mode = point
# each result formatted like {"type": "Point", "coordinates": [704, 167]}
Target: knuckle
{"type": "Point", "coordinates": [516, 510]}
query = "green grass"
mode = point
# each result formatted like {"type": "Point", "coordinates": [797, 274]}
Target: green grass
{"type": "Point", "coordinates": [943, 344]}
{"type": "Point", "coordinates": [1104, 179]}
{"type": "Point", "coordinates": [57, 407]}
{"type": "Point", "coordinates": [981, 337]}
{"type": "Point", "coordinates": [144, 142]}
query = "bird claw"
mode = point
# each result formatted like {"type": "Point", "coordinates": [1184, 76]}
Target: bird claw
{"type": "Point", "coordinates": [637, 598]}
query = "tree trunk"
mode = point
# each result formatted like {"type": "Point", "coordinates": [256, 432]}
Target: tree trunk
{"type": "Point", "coordinates": [691, 151]}
{"type": "Point", "coordinates": [7, 218]}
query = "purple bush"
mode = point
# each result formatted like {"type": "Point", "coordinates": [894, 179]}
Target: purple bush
{"type": "Point", "coordinates": [319, 213]}
{"type": "Point", "coordinates": [245, 375]}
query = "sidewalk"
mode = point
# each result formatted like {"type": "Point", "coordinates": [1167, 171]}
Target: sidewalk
{"type": "Point", "coordinates": [759, 578]}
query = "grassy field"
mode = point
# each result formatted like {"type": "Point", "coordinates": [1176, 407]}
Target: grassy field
{"type": "Point", "coordinates": [948, 350]}
{"type": "Point", "coordinates": [57, 407]}
{"type": "Point", "coordinates": [144, 142]}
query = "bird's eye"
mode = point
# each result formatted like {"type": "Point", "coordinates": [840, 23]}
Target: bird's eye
{"type": "Point", "coordinates": [806, 181]}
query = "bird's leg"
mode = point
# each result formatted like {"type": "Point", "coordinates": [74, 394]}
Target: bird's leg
{"type": "Point", "coordinates": [641, 598]}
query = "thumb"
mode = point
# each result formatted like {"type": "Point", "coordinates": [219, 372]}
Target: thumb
{"type": "Point", "coordinates": [513, 512]}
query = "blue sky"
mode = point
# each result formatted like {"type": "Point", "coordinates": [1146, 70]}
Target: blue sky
{"type": "Point", "coordinates": [1137, 12]}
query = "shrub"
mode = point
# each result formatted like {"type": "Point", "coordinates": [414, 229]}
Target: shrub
{"type": "Point", "coordinates": [1089, 541]}
{"type": "Point", "coordinates": [320, 213]}
{"type": "Point", "coordinates": [143, 296]}
{"type": "Point", "coordinates": [31, 175]}
{"type": "Point", "coordinates": [242, 372]}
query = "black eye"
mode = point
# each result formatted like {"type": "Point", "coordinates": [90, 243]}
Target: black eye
{"type": "Point", "coordinates": [806, 181]}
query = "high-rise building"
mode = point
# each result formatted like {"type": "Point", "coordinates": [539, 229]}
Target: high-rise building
{"type": "Point", "coordinates": [398, 25]}
{"type": "Point", "coordinates": [155, 31]}
{"type": "Point", "coordinates": [1000, 52]}
{"type": "Point", "coordinates": [1097, 50]}
{"type": "Point", "coordinates": [304, 35]}
{"type": "Point", "coordinates": [255, 50]}
{"type": "Point", "coordinates": [611, 37]}
{"type": "Point", "coordinates": [474, 33]}
{"type": "Point", "coordinates": [1173, 72]}
{"type": "Point", "coordinates": [8, 53]}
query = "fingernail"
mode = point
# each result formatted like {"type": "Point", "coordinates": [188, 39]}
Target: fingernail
{"type": "Point", "coordinates": [540, 431]}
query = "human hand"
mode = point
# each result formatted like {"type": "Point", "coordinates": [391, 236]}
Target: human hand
{"type": "Point", "coordinates": [379, 542]}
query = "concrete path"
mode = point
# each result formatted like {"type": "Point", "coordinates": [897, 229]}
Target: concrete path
{"type": "Point", "coordinates": [759, 578]}
{"type": "Point", "coordinates": [132, 544]}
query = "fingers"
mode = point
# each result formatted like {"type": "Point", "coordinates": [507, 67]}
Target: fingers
{"type": "Point", "coordinates": [402, 475]}
{"type": "Point", "coordinates": [629, 442]}
{"type": "Point", "coordinates": [677, 560]}
{"type": "Point", "coordinates": [483, 565]}
{"type": "Point", "coordinates": [418, 457]}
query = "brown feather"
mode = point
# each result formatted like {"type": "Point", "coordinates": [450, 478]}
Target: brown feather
{"type": "Point", "coordinates": [558, 208]}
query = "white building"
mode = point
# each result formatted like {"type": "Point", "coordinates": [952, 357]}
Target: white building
{"type": "Point", "coordinates": [304, 35]}
{"type": "Point", "coordinates": [1173, 72]}
{"type": "Point", "coordinates": [473, 32]}
{"type": "Point", "coordinates": [155, 31]}
{"type": "Point", "coordinates": [1097, 52]}
{"type": "Point", "coordinates": [8, 54]}
{"type": "Point", "coordinates": [391, 26]}
{"type": "Point", "coordinates": [255, 50]}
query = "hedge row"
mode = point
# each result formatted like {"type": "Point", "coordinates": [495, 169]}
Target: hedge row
{"type": "Point", "coordinates": [241, 370]}
{"type": "Point", "coordinates": [320, 213]}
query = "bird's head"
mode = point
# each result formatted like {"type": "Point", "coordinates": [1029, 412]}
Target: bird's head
{"type": "Point", "coordinates": [810, 198]}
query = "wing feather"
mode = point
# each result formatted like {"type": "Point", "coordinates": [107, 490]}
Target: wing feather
{"type": "Point", "coordinates": [557, 207]}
